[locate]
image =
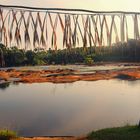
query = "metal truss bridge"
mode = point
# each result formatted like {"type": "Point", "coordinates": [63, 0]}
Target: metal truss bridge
{"type": "Point", "coordinates": [30, 27]}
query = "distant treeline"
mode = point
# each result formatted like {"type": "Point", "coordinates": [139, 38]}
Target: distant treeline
{"type": "Point", "coordinates": [120, 52]}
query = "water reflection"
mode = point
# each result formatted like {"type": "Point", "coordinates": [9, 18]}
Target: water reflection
{"type": "Point", "coordinates": [69, 109]}
{"type": "Point", "coordinates": [4, 85]}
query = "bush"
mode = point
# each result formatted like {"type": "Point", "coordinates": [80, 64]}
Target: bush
{"type": "Point", "coordinates": [7, 135]}
{"type": "Point", "coordinates": [89, 60]}
{"type": "Point", "coordinates": [119, 133]}
{"type": "Point", "coordinates": [30, 55]}
{"type": "Point", "coordinates": [14, 56]}
{"type": "Point", "coordinates": [119, 52]}
{"type": "Point", "coordinates": [35, 58]}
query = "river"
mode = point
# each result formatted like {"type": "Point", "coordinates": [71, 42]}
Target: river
{"type": "Point", "coordinates": [48, 109]}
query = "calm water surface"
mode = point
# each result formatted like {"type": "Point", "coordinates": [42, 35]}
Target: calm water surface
{"type": "Point", "coordinates": [69, 109]}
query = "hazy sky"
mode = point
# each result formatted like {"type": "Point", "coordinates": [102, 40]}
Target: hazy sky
{"type": "Point", "coordinates": [127, 5]}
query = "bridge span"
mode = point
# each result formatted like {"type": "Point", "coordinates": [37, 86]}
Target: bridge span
{"type": "Point", "coordinates": [31, 27]}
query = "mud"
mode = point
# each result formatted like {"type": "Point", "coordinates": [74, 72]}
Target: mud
{"type": "Point", "coordinates": [67, 75]}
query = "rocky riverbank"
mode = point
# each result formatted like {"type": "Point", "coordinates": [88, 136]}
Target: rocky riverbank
{"type": "Point", "coordinates": [67, 75]}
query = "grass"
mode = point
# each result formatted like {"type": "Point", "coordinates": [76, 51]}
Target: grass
{"type": "Point", "coordinates": [7, 134]}
{"type": "Point", "coordinates": [119, 133]}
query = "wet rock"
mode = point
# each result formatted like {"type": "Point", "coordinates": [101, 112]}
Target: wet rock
{"type": "Point", "coordinates": [125, 77]}
{"type": "Point", "coordinates": [4, 85]}
{"type": "Point", "coordinates": [10, 70]}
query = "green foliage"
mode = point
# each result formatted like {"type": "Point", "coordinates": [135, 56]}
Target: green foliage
{"type": "Point", "coordinates": [18, 57]}
{"type": "Point", "coordinates": [88, 60]}
{"type": "Point", "coordinates": [120, 52]}
{"type": "Point", "coordinates": [7, 135]}
{"type": "Point", "coordinates": [72, 56]}
{"type": "Point", "coordinates": [4, 85]}
{"type": "Point", "coordinates": [14, 56]}
{"type": "Point", "coordinates": [120, 133]}
{"type": "Point", "coordinates": [30, 55]}
{"type": "Point", "coordinates": [37, 58]}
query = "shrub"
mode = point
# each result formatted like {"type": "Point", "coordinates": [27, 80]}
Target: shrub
{"type": "Point", "coordinates": [7, 135]}
{"type": "Point", "coordinates": [89, 60]}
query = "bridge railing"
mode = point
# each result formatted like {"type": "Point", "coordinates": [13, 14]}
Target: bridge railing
{"type": "Point", "coordinates": [30, 27]}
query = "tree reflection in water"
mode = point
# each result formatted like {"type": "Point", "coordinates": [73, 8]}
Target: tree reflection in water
{"type": "Point", "coordinates": [5, 85]}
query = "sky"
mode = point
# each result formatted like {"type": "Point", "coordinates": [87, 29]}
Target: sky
{"type": "Point", "coordinates": [125, 5]}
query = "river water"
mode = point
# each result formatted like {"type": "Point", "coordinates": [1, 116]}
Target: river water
{"type": "Point", "coordinates": [48, 109]}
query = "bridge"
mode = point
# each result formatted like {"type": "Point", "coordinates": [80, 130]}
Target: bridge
{"type": "Point", "coordinates": [31, 27]}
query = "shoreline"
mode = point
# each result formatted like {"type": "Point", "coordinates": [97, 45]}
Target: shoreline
{"type": "Point", "coordinates": [115, 133]}
{"type": "Point", "coordinates": [69, 74]}
{"type": "Point", "coordinates": [52, 138]}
